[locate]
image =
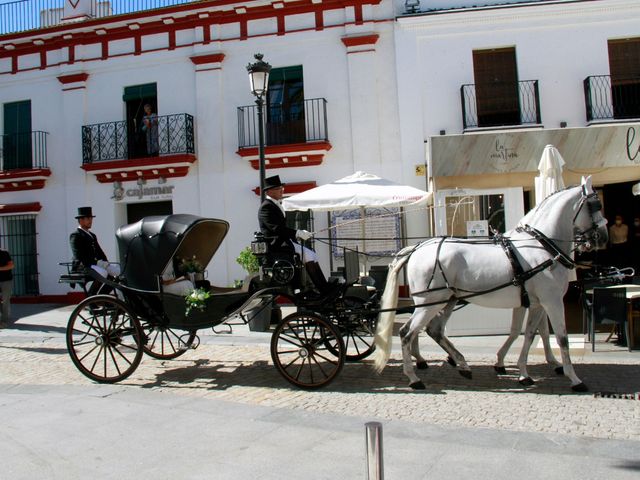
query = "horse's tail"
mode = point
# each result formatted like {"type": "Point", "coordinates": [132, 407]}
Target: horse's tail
{"type": "Point", "coordinates": [389, 302]}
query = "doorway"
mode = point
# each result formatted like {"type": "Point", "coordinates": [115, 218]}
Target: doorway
{"type": "Point", "coordinates": [135, 98]}
{"type": "Point", "coordinates": [496, 76]}
{"type": "Point", "coordinates": [16, 141]}
{"type": "Point", "coordinates": [137, 211]}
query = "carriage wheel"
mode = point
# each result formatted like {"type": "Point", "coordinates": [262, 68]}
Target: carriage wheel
{"type": "Point", "coordinates": [164, 343]}
{"type": "Point", "coordinates": [300, 350]}
{"type": "Point", "coordinates": [104, 339]}
{"type": "Point", "coordinates": [358, 329]}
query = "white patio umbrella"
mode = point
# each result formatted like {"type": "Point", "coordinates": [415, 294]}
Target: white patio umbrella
{"type": "Point", "coordinates": [357, 191]}
{"type": "Point", "coordinates": [550, 178]}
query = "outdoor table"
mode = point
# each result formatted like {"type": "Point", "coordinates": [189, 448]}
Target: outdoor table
{"type": "Point", "coordinates": [632, 294]}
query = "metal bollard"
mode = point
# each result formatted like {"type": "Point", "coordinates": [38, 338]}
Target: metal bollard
{"type": "Point", "coordinates": [375, 467]}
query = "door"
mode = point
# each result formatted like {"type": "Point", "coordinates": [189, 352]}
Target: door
{"type": "Point", "coordinates": [137, 211]}
{"type": "Point", "coordinates": [624, 67]}
{"type": "Point", "coordinates": [135, 98]}
{"type": "Point", "coordinates": [496, 78]}
{"type": "Point", "coordinates": [285, 106]}
{"type": "Point", "coordinates": [16, 141]}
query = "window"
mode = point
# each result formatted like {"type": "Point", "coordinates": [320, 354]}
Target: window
{"type": "Point", "coordinates": [285, 106]}
{"type": "Point", "coordinates": [18, 236]}
{"type": "Point", "coordinates": [465, 214]}
{"type": "Point", "coordinates": [624, 67]}
{"type": "Point", "coordinates": [496, 83]}
{"type": "Point", "coordinates": [135, 98]}
{"type": "Point", "coordinates": [16, 141]}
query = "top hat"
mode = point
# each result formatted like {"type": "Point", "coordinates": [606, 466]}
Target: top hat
{"type": "Point", "coordinates": [272, 182]}
{"type": "Point", "coordinates": [84, 212]}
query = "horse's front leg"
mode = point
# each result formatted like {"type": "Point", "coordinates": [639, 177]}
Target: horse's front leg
{"type": "Point", "coordinates": [543, 330]}
{"type": "Point", "coordinates": [555, 311]}
{"type": "Point", "coordinates": [536, 314]}
{"type": "Point", "coordinates": [517, 317]}
{"type": "Point", "coordinates": [436, 330]}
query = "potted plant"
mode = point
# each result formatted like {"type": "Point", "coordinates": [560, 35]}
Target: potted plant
{"type": "Point", "coordinates": [191, 268]}
{"type": "Point", "coordinates": [259, 317]}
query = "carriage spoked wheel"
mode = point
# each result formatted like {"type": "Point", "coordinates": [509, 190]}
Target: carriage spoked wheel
{"type": "Point", "coordinates": [104, 339]}
{"type": "Point", "coordinates": [164, 343]}
{"type": "Point", "coordinates": [307, 350]}
{"type": "Point", "coordinates": [358, 328]}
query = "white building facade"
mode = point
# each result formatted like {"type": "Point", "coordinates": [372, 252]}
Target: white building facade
{"type": "Point", "coordinates": [80, 85]}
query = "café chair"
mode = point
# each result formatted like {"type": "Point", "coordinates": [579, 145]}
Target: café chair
{"type": "Point", "coordinates": [609, 307]}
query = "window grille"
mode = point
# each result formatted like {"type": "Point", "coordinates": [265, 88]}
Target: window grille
{"type": "Point", "coordinates": [18, 237]}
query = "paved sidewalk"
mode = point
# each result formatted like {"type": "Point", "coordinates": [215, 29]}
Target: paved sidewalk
{"type": "Point", "coordinates": [223, 411]}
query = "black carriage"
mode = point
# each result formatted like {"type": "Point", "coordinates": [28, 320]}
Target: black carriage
{"type": "Point", "coordinates": [108, 334]}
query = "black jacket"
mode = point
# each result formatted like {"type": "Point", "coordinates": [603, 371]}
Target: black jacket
{"type": "Point", "coordinates": [273, 226]}
{"type": "Point", "coordinates": [86, 249]}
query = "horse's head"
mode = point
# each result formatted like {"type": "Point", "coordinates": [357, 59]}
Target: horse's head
{"type": "Point", "coordinates": [590, 226]}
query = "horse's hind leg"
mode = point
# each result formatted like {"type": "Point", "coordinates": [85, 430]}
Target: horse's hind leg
{"type": "Point", "coordinates": [408, 333]}
{"type": "Point", "coordinates": [555, 310]}
{"type": "Point", "coordinates": [517, 317]}
{"type": "Point", "coordinates": [421, 362]}
{"type": "Point", "coordinates": [436, 331]}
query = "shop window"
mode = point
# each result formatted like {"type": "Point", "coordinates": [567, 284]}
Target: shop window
{"type": "Point", "coordinates": [18, 237]}
{"type": "Point", "coordinates": [475, 215]}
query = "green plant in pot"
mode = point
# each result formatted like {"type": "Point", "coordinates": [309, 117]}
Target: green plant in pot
{"type": "Point", "coordinates": [259, 319]}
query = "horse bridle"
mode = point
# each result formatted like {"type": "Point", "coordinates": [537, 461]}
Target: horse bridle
{"type": "Point", "coordinates": [593, 203]}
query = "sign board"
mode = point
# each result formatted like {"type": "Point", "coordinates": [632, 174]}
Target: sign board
{"type": "Point", "coordinates": [477, 228]}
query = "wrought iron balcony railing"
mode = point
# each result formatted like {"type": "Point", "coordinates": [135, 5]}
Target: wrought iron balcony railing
{"type": "Point", "coordinates": [26, 150]}
{"type": "Point", "coordinates": [296, 122]}
{"type": "Point", "coordinates": [500, 104]}
{"type": "Point", "coordinates": [125, 140]}
{"type": "Point", "coordinates": [24, 15]}
{"type": "Point", "coordinates": [611, 99]}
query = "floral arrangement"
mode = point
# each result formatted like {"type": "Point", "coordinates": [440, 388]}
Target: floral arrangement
{"type": "Point", "coordinates": [248, 261]}
{"type": "Point", "coordinates": [196, 298]}
{"type": "Point", "coordinates": [190, 265]}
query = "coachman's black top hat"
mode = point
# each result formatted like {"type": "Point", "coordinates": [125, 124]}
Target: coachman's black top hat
{"type": "Point", "coordinates": [272, 182]}
{"type": "Point", "coordinates": [84, 212]}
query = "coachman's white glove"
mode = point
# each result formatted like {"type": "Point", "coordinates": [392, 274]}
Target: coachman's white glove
{"type": "Point", "coordinates": [303, 234]}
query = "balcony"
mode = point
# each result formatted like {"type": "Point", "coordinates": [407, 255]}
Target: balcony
{"type": "Point", "coordinates": [295, 133]}
{"type": "Point", "coordinates": [112, 149]}
{"type": "Point", "coordinates": [607, 99]}
{"type": "Point", "coordinates": [23, 161]}
{"type": "Point", "coordinates": [25, 15]}
{"type": "Point", "coordinates": [500, 104]}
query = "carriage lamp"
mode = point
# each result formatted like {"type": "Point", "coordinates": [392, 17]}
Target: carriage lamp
{"type": "Point", "coordinates": [259, 80]}
{"type": "Point", "coordinates": [259, 244]}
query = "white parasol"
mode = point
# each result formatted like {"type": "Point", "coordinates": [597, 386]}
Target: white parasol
{"type": "Point", "coordinates": [550, 179]}
{"type": "Point", "coordinates": [358, 190]}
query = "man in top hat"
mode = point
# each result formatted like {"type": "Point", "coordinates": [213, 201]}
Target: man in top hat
{"type": "Point", "coordinates": [273, 226]}
{"type": "Point", "coordinates": [86, 250]}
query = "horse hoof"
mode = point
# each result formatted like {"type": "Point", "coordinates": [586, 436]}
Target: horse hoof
{"type": "Point", "coordinates": [581, 387]}
{"type": "Point", "coordinates": [500, 370]}
{"type": "Point", "coordinates": [466, 374]}
{"type": "Point", "coordinates": [451, 361]}
{"type": "Point", "coordinates": [526, 381]}
{"type": "Point", "coordinates": [559, 370]}
{"type": "Point", "coordinates": [417, 385]}
{"type": "Point", "coordinates": [422, 365]}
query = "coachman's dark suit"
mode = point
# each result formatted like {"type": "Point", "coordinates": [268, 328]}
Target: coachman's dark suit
{"type": "Point", "coordinates": [86, 249]}
{"type": "Point", "coordinates": [273, 226]}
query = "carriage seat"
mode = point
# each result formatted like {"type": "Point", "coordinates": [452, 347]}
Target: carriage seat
{"type": "Point", "coordinates": [73, 276]}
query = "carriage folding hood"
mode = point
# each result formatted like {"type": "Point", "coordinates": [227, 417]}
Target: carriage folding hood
{"type": "Point", "coordinates": [147, 246]}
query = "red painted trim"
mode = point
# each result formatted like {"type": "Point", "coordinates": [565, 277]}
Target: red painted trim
{"type": "Point", "coordinates": [243, 29]}
{"type": "Point", "coordinates": [206, 34]}
{"type": "Point", "coordinates": [362, 51]}
{"type": "Point", "coordinates": [22, 173]}
{"type": "Point", "coordinates": [299, 148]}
{"type": "Point", "coordinates": [204, 59]}
{"type": "Point", "coordinates": [360, 40]}
{"type": "Point", "coordinates": [21, 185]}
{"type": "Point", "coordinates": [291, 161]}
{"type": "Point", "coordinates": [73, 88]}
{"type": "Point", "coordinates": [20, 207]}
{"type": "Point", "coordinates": [72, 54]}
{"type": "Point", "coordinates": [71, 298]}
{"type": "Point", "coordinates": [43, 59]}
{"type": "Point", "coordinates": [319, 20]}
{"type": "Point", "coordinates": [207, 69]}
{"type": "Point", "coordinates": [137, 45]}
{"type": "Point", "coordinates": [14, 64]}
{"type": "Point", "coordinates": [292, 188]}
{"type": "Point", "coordinates": [281, 25]}
{"type": "Point", "coordinates": [147, 174]}
{"type": "Point", "coordinates": [119, 165]}
{"type": "Point", "coordinates": [73, 78]}
{"type": "Point", "coordinates": [357, 11]}
{"type": "Point", "coordinates": [172, 39]}
{"type": "Point", "coordinates": [105, 49]}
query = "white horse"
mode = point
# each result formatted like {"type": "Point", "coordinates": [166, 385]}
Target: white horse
{"type": "Point", "coordinates": [443, 271]}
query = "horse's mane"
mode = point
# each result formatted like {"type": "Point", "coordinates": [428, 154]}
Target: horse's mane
{"type": "Point", "coordinates": [540, 208]}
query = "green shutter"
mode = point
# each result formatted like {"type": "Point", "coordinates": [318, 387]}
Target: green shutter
{"type": "Point", "coordinates": [139, 91]}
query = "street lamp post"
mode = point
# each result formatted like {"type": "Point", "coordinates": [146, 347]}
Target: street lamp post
{"type": "Point", "coordinates": [259, 78]}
